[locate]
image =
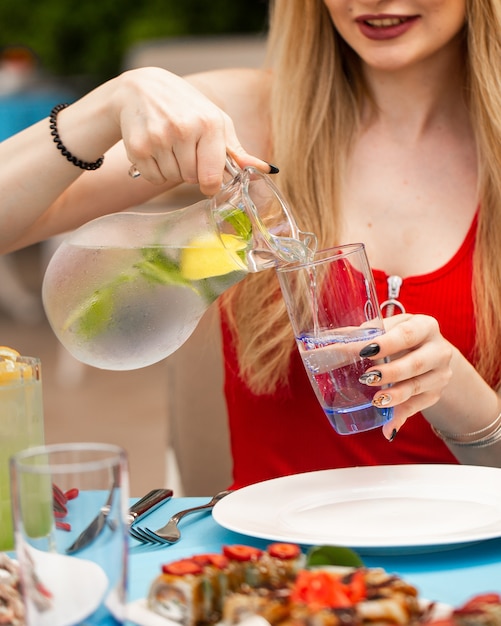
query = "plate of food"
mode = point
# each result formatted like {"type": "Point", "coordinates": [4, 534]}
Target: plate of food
{"type": "Point", "coordinates": [385, 509]}
{"type": "Point", "coordinates": [276, 586]}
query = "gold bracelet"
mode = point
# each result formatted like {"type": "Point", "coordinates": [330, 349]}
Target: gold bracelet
{"type": "Point", "coordinates": [472, 440]}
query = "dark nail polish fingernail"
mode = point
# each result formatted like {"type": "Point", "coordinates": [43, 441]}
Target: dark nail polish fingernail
{"type": "Point", "coordinates": [370, 350]}
{"type": "Point", "coordinates": [273, 169]}
{"type": "Point", "coordinates": [393, 434]}
{"type": "Point", "coordinates": [370, 378]}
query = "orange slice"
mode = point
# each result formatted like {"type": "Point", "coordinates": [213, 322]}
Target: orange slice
{"type": "Point", "coordinates": [8, 353]}
{"type": "Point", "coordinates": [10, 369]}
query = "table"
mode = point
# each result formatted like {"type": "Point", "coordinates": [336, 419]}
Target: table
{"type": "Point", "coordinates": [450, 576]}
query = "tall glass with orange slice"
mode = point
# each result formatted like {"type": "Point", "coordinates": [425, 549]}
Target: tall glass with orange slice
{"type": "Point", "coordinates": [21, 423]}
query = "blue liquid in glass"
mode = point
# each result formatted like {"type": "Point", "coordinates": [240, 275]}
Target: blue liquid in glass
{"type": "Point", "coordinates": [334, 366]}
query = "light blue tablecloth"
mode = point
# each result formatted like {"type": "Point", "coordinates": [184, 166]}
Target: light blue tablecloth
{"type": "Point", "coordinates": [447, 576]}
{"type": "Point", "coordinates": [450, 576]}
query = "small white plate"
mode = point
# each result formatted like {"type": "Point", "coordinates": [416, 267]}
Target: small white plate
{"type": "Point", "coordinates": [78, 587]}
{"type": "Point", "coordinates": [385, 509]}
{"type": "Point", "coordinates": [139, 613]}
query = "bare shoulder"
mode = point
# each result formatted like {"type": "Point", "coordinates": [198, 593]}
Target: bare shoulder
{"type": "Point", "coordinates": [228, 88]}
{"type": "Point", "coordinates": [244, 94]}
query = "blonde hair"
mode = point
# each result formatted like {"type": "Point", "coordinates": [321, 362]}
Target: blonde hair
{"type": "Point", "coordinates": [484, 96]}
{"type": "Point", "coordinates": [317, 96]}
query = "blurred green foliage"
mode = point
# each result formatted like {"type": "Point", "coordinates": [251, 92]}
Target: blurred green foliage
{"type": "Point", "coordinates": [90, 37]}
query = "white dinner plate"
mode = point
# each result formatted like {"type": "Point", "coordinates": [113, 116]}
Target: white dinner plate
{"type": "Point", "coordinates": [384, 509]}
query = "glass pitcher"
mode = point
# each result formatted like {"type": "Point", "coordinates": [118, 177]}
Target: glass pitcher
{"type": "Point", "coordinates": [126, 290]}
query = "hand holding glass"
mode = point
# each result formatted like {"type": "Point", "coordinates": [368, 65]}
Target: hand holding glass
{"type": "Point", "coordinates": [333, 308]}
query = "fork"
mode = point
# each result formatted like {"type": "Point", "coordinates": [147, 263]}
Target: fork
{"type": "Point", "coordinates": [170, 533]}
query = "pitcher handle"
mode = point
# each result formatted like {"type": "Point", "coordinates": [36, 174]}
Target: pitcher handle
{"type": "Point", "coordinates": [231, 166]}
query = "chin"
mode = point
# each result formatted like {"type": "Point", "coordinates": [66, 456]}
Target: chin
{"type": "Point", "coordinates": [392, 62]}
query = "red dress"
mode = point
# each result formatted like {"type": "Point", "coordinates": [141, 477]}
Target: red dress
{"type": "Point", "coordinates": [287, 432]}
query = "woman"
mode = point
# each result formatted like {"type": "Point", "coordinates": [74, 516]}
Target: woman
{"type": "Point", "coordinates": [385, 153]}
{"type": "Point", "coordinates": [384, 117]}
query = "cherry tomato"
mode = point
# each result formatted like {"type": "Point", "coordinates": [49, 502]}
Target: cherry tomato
{"type": "Point", "coordinates": [242, 553]}
{"type": "Point", "coordinates": [182, 567]}
{"type": "Point", "coordinates": [217, 560]}
{"type": "Point", "coordinates": [284, 550]}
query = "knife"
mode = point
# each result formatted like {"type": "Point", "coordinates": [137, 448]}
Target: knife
{"type": "Point", "coordinates": [148, 503]}
{"type": "Point", "coordinates": [139, 509]}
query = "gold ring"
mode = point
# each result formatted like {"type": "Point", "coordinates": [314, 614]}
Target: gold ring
{"type": "Point", "coordinates": [134, 172]}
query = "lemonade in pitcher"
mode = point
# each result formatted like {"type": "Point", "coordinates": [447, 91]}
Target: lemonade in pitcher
{"type": "Point", "coordinates": [126, 290]}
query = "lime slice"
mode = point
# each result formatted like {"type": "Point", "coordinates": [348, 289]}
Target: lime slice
{"type": "Point", "coordinates": [333, 555]}
{"type": "Point", "coordinates": [210, 255]}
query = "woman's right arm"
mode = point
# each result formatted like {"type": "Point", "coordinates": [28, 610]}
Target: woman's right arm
{"type": "Point", "coordinates": [170, 131]}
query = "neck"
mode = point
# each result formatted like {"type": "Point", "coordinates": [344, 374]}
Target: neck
{"type": "Point", "coordinates": [419, 97]}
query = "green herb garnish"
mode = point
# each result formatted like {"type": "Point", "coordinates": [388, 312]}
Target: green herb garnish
{"type": "Point", "coordinates": [240, 222]}
{"type": "Point", "coordinates": [333, 555]}
{"type": "Point", "coordinates": [93, 315]}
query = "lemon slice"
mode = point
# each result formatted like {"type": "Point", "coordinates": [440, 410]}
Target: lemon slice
{"type": "Point", "coordinates": [8, 353]}
{"type": "Point", "coordinates": [10, 369]}
{"type": "Point", "coordinates": [210, 255]}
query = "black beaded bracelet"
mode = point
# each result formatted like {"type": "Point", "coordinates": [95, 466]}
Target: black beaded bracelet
{"type": "Point", "coordinates": [84, 165]}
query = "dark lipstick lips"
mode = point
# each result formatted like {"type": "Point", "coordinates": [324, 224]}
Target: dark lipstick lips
{"type": "Point", "coordinates": [384, 32]}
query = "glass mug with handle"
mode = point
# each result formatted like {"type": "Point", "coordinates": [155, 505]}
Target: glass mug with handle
{"type": "Point", "coordinates": [334, 311]}
{"type": "Point", "coordinates": [126, 290]}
